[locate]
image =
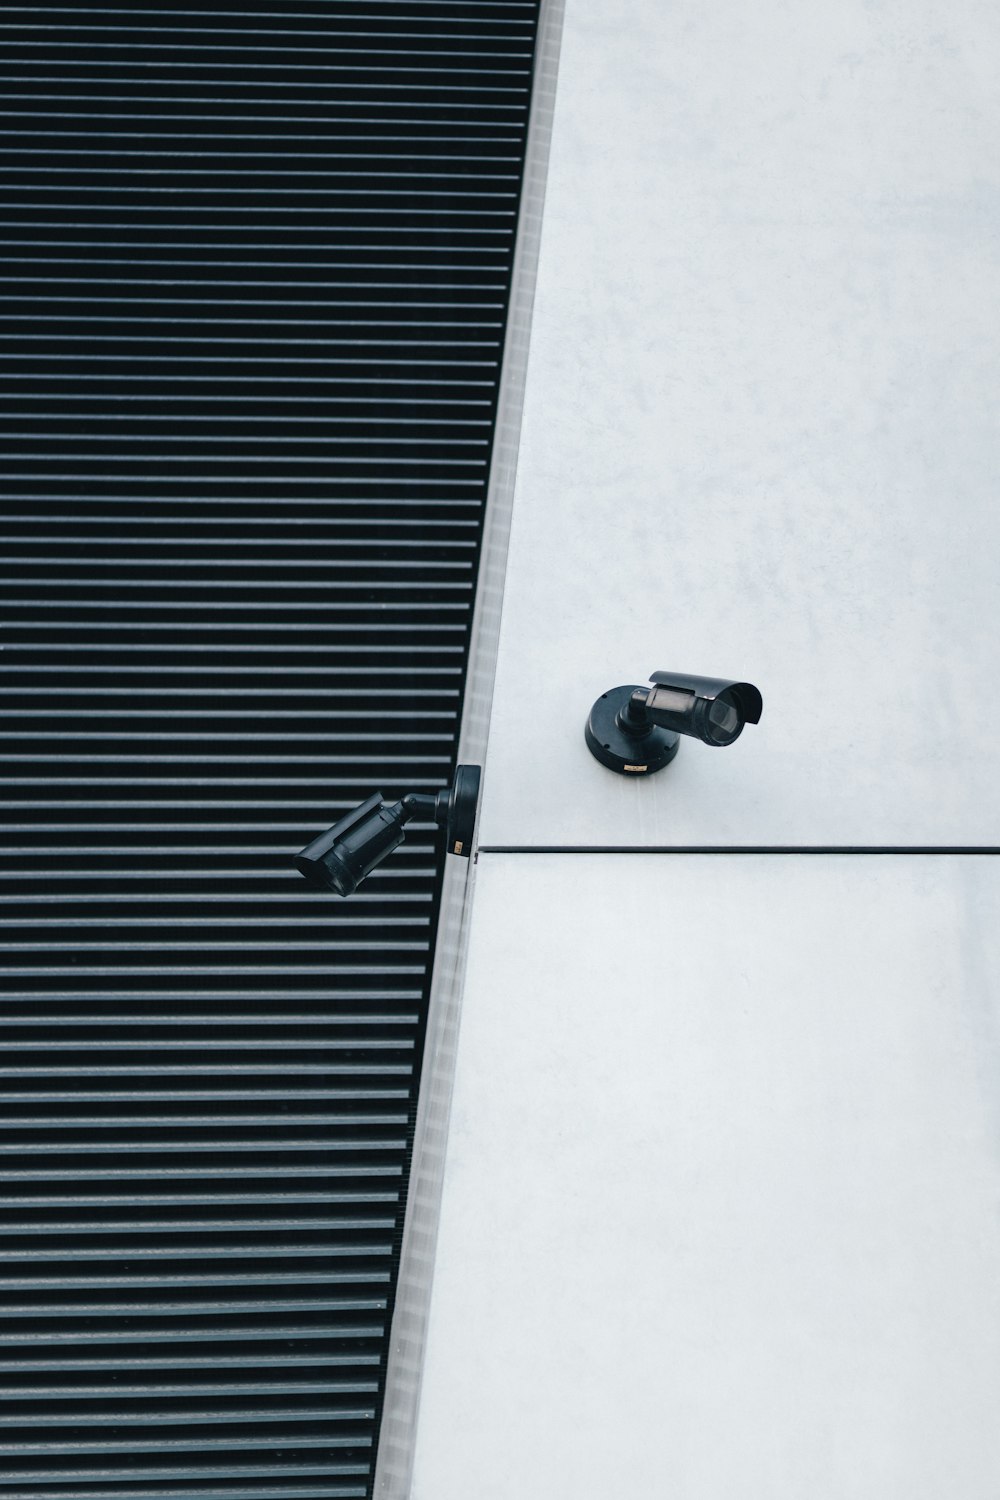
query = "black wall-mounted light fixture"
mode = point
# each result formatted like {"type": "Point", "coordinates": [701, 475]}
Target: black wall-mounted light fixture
{"type": "Point", "coordinates": [636, 730]}
{"type": "Point", "coordinates": [341, 857]}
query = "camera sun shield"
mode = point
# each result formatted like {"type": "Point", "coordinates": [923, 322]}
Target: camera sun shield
{"type": "Point", "coordinates": [716, 701]}
{"type": "Point", "coordinates": [341, 857]}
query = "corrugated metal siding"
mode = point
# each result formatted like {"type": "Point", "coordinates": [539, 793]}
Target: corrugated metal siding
{"type": "Point", "coordinates": [257, 267]}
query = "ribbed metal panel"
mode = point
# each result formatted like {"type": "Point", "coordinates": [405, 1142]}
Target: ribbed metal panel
{"type": "Point", "coordinates": [255, 283]}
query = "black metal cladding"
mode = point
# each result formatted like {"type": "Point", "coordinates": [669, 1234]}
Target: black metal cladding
{"type": "Point", "coordinates": [257, 263]}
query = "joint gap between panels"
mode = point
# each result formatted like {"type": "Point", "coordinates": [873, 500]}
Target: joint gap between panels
{"type": "Point", "coordinates": [855, 849]}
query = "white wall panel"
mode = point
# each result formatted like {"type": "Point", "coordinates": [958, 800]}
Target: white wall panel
{"type": "Point", "coordinates": [760, 433]}
{"type": "Point", "coordinates": [720, 1215]}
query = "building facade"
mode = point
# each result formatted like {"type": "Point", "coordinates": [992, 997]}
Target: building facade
{"type": "Point", "coordinates": [718, 1203]}
{"type": "Point", "coordinates": [383, 382]}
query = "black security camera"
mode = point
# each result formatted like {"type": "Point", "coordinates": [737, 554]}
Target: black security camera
{"type": "Point", "coordinates": [635, 730]}
{"type": "Point", "coordinates": [341, 857]}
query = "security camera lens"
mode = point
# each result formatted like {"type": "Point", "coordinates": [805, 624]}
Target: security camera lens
{"type": "Point", "coordinates": [724, 722]}
{"type": "Point", "coordinates": [724, 715]}
{"type": "Point", "coordinates": [340, 877]}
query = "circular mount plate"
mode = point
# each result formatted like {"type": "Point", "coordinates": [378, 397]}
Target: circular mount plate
{"type": "Point", "coordinates": [462, 810]}
{"type": "Point", "coordinates": [622, 752]}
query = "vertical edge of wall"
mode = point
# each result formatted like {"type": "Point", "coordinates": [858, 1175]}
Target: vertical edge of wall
{"type": "Point", "coordinates": [397, 1435]}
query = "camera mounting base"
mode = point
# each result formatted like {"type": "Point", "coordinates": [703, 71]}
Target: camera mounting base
{"type": "Point", "coordinates": [462, 804]}
{"type": "Point", "coordinates": [629, 754]}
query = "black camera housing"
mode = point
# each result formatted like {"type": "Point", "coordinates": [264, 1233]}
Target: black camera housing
{"type": "Point", "coordinates": [636, 730]}
{"type": "Point", "coordinates": [345, 854]}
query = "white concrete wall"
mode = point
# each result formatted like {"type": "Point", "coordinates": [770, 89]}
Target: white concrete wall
{"type": "Point", "coordinates": [761, 434]}
{"type": "Point", "coordinates": [720, 1203]}
{"type": "Point", "coordinates": [720, 1216]}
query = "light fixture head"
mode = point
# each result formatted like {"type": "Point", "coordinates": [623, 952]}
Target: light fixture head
{"type": "Point", "coordinates": [345, 854]}
{"type": "Point", "coordinates": [636, 730]}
